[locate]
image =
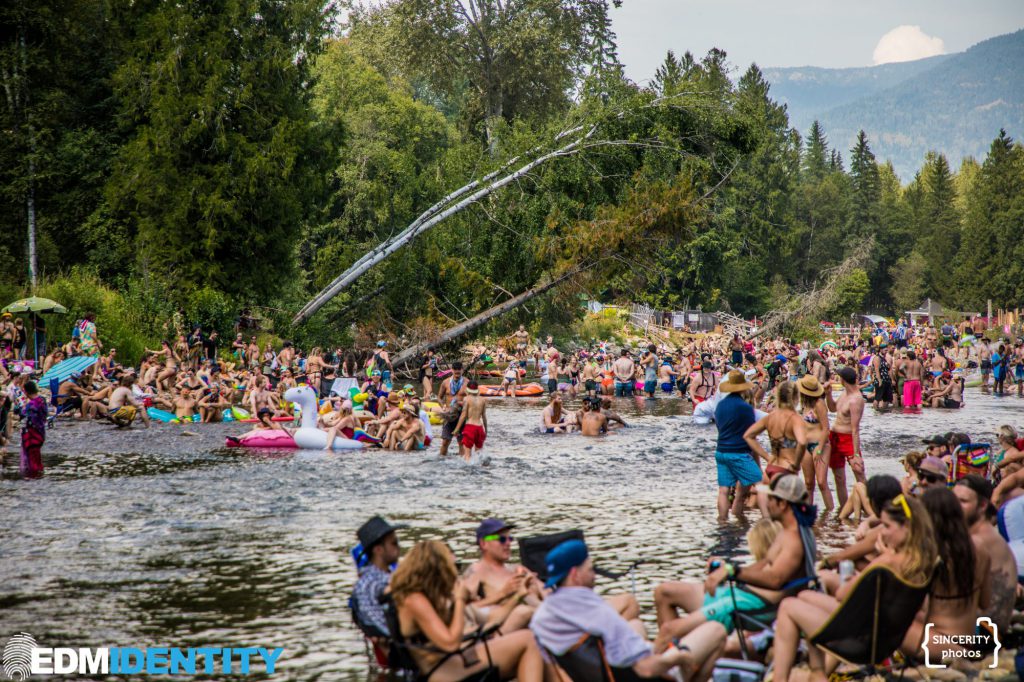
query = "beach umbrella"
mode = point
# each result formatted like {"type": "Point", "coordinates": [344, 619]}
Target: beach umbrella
{"type": "Point", "coordinates": [36, 306]}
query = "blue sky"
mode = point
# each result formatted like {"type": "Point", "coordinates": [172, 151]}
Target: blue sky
{"type": "Point", "coordinates": [806, 32]}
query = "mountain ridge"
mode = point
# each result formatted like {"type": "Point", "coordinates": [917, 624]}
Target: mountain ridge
{"type": "Point", "coordinates": [954, 104]}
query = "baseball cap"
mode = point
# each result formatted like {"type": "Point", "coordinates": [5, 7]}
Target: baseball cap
{"type": "Point", "coordinates": [936, 440]}
{"type": "Point", "coordinates": [788, 487]}
{"type": "Point", "coordinates": [934, 466]}
{"type": "Point", "coordinates": [562, 559]}
{"type": "Point", "coordinates": [374, 530]}
{"type": "Point", "coordinates": [381, 344]}
{"type": "Point", "coordinates": [491, 527]}
{"type": "Point", "coordinates": [848, 374]}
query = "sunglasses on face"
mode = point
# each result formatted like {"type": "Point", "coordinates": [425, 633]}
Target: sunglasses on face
{"type": "Point", "coordinates": [503, 539]}
{"type": "Point", "coordinates": [930, 478]}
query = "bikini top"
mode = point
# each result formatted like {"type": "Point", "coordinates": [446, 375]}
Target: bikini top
{"type": "Point", "coordinates": [783, 443]}
{"type": "Point", "coordinates": [810, 418]}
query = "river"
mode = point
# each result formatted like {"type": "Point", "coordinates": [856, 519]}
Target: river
{"type": "Point", "coordinates": [146, 538]}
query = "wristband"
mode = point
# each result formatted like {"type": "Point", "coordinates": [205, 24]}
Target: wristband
{"type": "Point", "coordinates": [730, 570]}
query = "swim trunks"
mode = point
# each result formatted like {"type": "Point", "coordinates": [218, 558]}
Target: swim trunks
{"type": "Point", "coordinates": [667, 387]}
{"type": "Point", "coordinates": [951, 404]}
{"type": "Point", "coordinates": [590, 385]}
{"type": "Point", "coordinates": [623, 389]}
{"type": "Point", "coordinates": [720, 607]}
{"type": "Point", "coordinates": [736, 467]}
{"type": "Point", "coordinates": [842, 449]}
{"type": "Point", "coordinates": [650, 386]}
{"type": "Point", "coordinates": [473, 436]}
{"type": "Point", "coordinates": [911, 393]}
{"type": "Point", "coordinates": [123, 416]}
{"type": "Point", "coordinates": [552, 385]}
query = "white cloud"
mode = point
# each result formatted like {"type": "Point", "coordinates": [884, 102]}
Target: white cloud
{"type": "Point", "coordinates": [907, 43]}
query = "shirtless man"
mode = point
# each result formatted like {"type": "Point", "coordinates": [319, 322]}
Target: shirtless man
{"type": "Point", "coordinates": [613, 417]}
{"type": "Point", "coordinates": [185, 405]}
{"type": "Point", "coordinates": [913, 374]}
{"type": "Point", "coordinates": [552, 377]}
{"type": "Point", "coordinates": [845, 434]}
{"type": "Point", "coordinates": [667, 377]}
{"type": "Point", "coordinates": [623, 368]}
{"type": "Point", "coordinates": [451, 395]}
{"type": "Point", "coordinates": [951, 395]}
{"type": "Point", "coordinates": [522, 341]}
{"type": "Point", "coordinates": [684, 368]}
{"type": "Point", "coordinates": [471, 429]}
{"type": "Point", "coordinates": [705, 385]}
{"type": "Point", "coordinates": [73, 395]}
{"type": "Point", "coordinates": [590, 376]}
{"type": "Point", "coordinates": [761, 581]}
{"type": "Point", "coordinates": [974, 494]}
{"type": "Point", "coordinates": [592, 422]}
{"type": "Point", "coordinates": [123, 406]}
{"type": "Point", "coordinates": [985, 362]}
{"type": "Point", "coordinates": [410, 434]}
{"type": "Point", "coordinates": [492, 580]}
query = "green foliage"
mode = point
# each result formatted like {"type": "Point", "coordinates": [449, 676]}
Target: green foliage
{"type": "Point", "coordinates": [600, 326]}
{"type": "Point", "coordinates": [852, 290]}
{"type": "Point", "coordinates": [211, 309]}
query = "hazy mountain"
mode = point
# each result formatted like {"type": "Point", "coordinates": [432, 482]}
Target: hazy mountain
{"type": "Point", "coordinates": [954, 104]}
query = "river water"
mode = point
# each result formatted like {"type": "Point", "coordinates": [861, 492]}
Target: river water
{"type": "Point", "coordinates": [162, 537]}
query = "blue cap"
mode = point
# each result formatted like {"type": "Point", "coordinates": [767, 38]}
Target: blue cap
{"type": "Point", "coordinates": [381, 344]}
{"type": "Point", "coordinates": [781, 357]}
{"type": "Point", "coordinates": [564, 558]}
{"type": "Point", "coordinates": [491, 527]}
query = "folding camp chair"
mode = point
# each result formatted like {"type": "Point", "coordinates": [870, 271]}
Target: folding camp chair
{"type": "Point", "coordinates": [58, 408]}
{"type": "Point", "coordinates": [375, 641]}
{"type": "Point", "coordinates": [534, 549]}
{"type": "Point", "coordinates": [586, 662]}
{"type": "Point", "coordinates": [871, 622]}
{"type": "Point", "coordinates": [970, 458]}
{"type": "Point", "coordinates": [402, 665]}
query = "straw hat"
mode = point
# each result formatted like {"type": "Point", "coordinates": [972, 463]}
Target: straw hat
{"type": "Point", "coordinates": [735, 382]}
{"type": "Point", "coordinates": [810, 386]}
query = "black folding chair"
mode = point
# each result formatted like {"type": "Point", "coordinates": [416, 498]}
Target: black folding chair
{"type": "Point", "coordinates": [586, 662]}
{"type": "Point", "coordinates": [870, 624]}
{"type": "Point", "coordinates": [533, 551]}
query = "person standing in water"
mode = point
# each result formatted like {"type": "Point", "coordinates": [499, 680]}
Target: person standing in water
{"type": "Point", "coordinates": [650, 365]}
{"type": "Point", "coordinates": [33, 434]}
{"type": "Point", "coordinates": [471, 430]}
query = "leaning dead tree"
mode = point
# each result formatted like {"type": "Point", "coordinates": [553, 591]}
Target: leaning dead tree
{"type": "Point", "coordinates": [821, 297]}
{"type": "Point", "coordinates": [458, 200]}
{"type": "Point", "coordinates": [580, 138]}
{"type": "Point", "coordinates": [478, 320]}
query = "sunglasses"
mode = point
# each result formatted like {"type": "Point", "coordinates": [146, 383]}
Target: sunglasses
{"type": "Point", "coordinates": [503, 539]}
{"type": "Point", "coordinates": [931, 478]}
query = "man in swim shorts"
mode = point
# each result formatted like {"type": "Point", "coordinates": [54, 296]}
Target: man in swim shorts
{"type": "Point", "coordinates": [123, 406]}
{"type": "Point", "coordinates": [844, 436]}
{"type": "Point", "coordinates": [737, 467]}
{"type": "Point", "coordinates": [471, 429]}
{"type": "Point", "coordinates": [623, 370]}
{"type": "Point", "coordinates": [650, 365]}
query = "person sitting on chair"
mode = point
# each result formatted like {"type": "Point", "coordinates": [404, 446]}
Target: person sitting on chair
{"type": "Point", "coordinates": [761, 583]}
{"type": "Point", "coordinates": [430, 602]}
{"type": "Point", "coordinates": [574, 612]}
{"type": "Point", "coordinates": [380, 548]}
{"type": "Point", "coordinates": [492, 580]}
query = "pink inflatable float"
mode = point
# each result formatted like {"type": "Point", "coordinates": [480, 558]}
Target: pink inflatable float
{"type": "Point", "coordinates": [269, 438]}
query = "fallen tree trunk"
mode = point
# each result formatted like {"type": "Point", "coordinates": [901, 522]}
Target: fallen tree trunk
{"type": "Point", "coordinates": [478, 320]}
{"type": "Point", "coordinates": [427, 220]}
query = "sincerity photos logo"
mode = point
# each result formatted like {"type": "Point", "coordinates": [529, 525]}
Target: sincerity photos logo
{"type": "Point", "coordinates": [24, 657]}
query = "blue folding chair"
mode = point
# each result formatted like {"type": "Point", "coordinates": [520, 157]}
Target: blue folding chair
{"type": "Point", "coordinates": [58, 409]}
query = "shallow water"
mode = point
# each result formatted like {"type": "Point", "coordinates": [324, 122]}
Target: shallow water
{"type": "Point", "coordinates": [162, 538]}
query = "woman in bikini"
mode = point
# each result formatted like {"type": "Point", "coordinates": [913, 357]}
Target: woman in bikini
{"type": "Point", "coordinates": [787, 434]}
{"type": "Point", "coordinates": [431, 603]}
{"type": "Point", "coordinates": [815, 413]}
{"type": "Point", "coordinates": [906, 545]}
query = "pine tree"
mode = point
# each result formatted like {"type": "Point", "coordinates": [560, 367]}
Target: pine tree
{"type": "Point", "coordinates": [816, 155]}
{"type": "Point", "coordinates": [864, 213]}
{"type": "Point", "coordinates": [940, 231]}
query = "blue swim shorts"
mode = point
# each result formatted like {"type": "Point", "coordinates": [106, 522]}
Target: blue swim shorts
{"type": "Point", "coordinates": [736, 467]}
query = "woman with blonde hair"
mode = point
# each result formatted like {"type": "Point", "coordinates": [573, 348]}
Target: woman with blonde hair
{"type": "Point", "coordinates": [815, 413]}
{"type": "Point", "coordinates": [907, 546]}
{"type": "Point", "coordinates": [1010, 458]}
{"type": "Point", "coordinates": [430, 599]}
{"type": "Point", "coordinates": [788, 439]}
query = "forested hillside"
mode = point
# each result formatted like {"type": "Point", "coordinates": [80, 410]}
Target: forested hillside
{"type": "Point", "coordinates": [950, 104]}
{"type": "Point", "coordinates": [214, 157]}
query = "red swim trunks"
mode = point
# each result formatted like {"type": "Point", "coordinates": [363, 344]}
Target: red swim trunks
{"type": "Point", "coordinates": [473, 436]}
{"type": "Point", "coordinates": [842, 449]}
{"type": "Point", "coordinates": [773, 470]}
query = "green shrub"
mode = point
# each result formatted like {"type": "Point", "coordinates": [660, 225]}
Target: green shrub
{"type": "Point", "coordinates": [212, 310]}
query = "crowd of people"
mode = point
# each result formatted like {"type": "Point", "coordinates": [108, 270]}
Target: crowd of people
{"type": "Point", "coordinates": [936, 540]}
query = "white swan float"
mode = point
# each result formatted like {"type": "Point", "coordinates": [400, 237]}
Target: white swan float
{"type": "Point", "coordinates": [308, 436]}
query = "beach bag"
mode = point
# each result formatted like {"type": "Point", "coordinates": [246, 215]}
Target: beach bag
{"type": "Point", "coordinates": [737, 670]}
